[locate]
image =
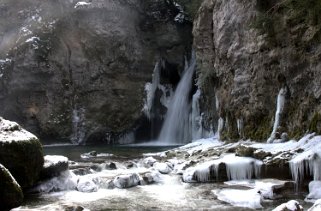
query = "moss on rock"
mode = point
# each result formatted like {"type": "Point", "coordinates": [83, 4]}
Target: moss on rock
{"type": "Point", "coordinates": [10, 191]}
{"type": "Point", "coordinates": [21, 153]}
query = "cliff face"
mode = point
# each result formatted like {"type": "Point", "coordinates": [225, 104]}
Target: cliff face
{"type": "Point", "coordinates": [77, 70]}
{"type": "Point", "coordinates": [247, 52]}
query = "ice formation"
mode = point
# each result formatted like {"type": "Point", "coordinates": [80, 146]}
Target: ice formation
{"type": "Point", "coordinates": [237, 168]}
{"type": "Point", "coordinates": [176, 127]}
{"type": "Point", "coordinates": [240, 198]}
{"type": "Point", "coordinates": [314, 191]}
{"type": "Point", "coordinates": [150, 89]}
{"type": "Point", "coordinates": [279, 110]}
{"type": "Point", "coordinates": [316, 206]}
{"type": "Point", "coordinates": [309, 161]}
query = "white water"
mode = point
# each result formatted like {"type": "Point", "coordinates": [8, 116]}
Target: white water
{"type": "Point", "coordinates": [176, 128]}
{"type": "Point", "coordinates": [278, 113]}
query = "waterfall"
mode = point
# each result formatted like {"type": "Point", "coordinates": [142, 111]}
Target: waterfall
{"type": "Point", "coordinates": [176, 128]}
{"type": "Point", "coordinates": [78, 126]}
{"type": "Point", "coordinates": [279, 110]}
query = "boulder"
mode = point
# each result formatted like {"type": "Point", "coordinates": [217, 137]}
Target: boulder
{"type": "Point", "coordinates": [65, 181]}
{"type": "Point", "coordinates": [10, 192]}
{"type": "Point", "coordinates": [163, 168]}
{"type": "Point", "coordinates": [149, 178]}
{"type": "Point", "coordinates": [53, 166]}
{"type": "Point", "coordinates": [86, 185]}
{"type": "Point", "coordinates": [126, 181]}
{"type": "Point", "coordinates": [110, 166]}
{"type": "Point", "coordinates": [20, 152]}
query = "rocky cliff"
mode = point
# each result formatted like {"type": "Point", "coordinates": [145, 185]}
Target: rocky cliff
{"type": "Point", "coordinates": [251, 53]}
{"type": "Point", "coordinates": [77, 70]}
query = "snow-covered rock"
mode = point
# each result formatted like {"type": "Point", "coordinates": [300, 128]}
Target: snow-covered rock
{"type": "Point", "coordinates": [314, 191]}
{"type": "Point", "coordinates": [53, 166]}
{"type": "Point", "coordinates": [81, 4]}
{"type": "Point", "coordinates": [65, 181]}
{"type": "Point", "coordinates": [85, 184]}
{"type": "Point", "coordinates": [292, 205]}
{"type": "Point", "coordinates": [149, 161]}
{"type": "Point", "coordinates": [126, 181]}
{"type": "Point", "coordinates": [149, 178]}
{"type": "Point", "coordinates": [240, 198]}
{"type": "Point", "coordinates": [163, 168]}
{"type": "Point", "coordinates": [20, 152]}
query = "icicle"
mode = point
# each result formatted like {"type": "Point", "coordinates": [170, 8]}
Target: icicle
{"type": "Point", "coordinates": [240, 125]}
{"type": "Point", "coordinates": [150, 89]}
{"type": "Point", "coordinates": [176, 126]}
{"type": "Point", "coordinates": [278, 113]}
{"type": "Point", "coordinates": [196, 117]}
{"type": "Point", "coordinates": [220, 127]}
{"type": "Point", "coordinates": [237, 168]}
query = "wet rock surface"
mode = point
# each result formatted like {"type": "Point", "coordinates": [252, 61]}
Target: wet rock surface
{"type": "Point", "coordinates": [58, 58]}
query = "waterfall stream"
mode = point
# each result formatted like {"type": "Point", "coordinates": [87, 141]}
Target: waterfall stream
{"type": "Point", "coordinates": [176, 128]}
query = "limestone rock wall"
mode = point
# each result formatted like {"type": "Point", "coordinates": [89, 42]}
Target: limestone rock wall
{"type": "Point", "coordinates": [247, 51]}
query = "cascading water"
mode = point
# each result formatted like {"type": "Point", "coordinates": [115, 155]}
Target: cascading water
{"type": "Point", "coordinates": [78, 126]}
{"type": "Point", "coordinates": [176, 128]}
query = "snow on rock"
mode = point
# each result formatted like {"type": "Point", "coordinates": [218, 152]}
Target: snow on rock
{"type": "Point", "coordinates": [237, 168]}
{"type": "Point", "coordinates": [81, 4]}
{"type": "Point", "coordinates": [150, 177]}
{"type": "Point", "coordinates": [85, 184]}
{"type": "Point", "coordinates": [289, 206]}
{"type": "Point", "coordinates": [149, 161]}
{"type": "Point", "coordinates": [52, 160]}
{"type": "Point", "coordinates": [163, 168]}
{"type": "Point", "coordinates": [53, 166]}
{"type": "Point", "coordinates": [314, 191]}
{"type": "Point", "coordinates": [127, 180]}
{"type": "Point", "coordinates": [316, 206]}
{"type": "Point", "coordinates": [65, 181]}
{"type": "Point", "coordinates": [21, 152]}
{"type": "Point", "coordinates": [11, 131]}
{"type": "Point", "coordinates": [240, 198]}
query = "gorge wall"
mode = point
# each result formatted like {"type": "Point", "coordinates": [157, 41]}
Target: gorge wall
{"type": "Point", "coordinates": [247, 52]}
{"type": "Point", "coordinates": [77, 70]}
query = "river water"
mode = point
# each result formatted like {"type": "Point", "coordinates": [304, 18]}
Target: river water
{"type": "Point", "coordinates": [170, 193]}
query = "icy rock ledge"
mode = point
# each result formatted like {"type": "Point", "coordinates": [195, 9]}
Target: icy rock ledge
{"type": "Point", "coordinates": [237, 168]}
{"type": "Point", "coordinates": [316, 206]}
